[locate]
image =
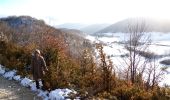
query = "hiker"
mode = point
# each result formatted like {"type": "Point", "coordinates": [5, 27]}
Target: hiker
{"type": "Point", "coordinates": [38, 68]}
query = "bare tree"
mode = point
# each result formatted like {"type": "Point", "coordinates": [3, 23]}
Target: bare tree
{"type": "Point", "coordinates": [137, 42]}
{"type": "Point", "coordinates": [154, 74]}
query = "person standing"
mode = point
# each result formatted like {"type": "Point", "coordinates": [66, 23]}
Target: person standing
{"type": "Point", "coordinates": [38, 68]}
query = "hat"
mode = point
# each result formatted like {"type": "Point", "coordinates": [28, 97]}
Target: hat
{"type": "Point", "coordinates": [37, 51]}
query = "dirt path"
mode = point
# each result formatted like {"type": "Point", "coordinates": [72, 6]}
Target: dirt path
{"type": "Point", "coordinates": [12, 90]}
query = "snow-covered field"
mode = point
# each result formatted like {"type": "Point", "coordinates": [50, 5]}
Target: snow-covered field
{"type": "Point", "coordinates": [58, 94]}
{"type": "Point", "coordinates": [160, 45]}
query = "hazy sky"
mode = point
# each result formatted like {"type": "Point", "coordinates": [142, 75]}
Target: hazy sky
{"type": "Point", "coordinates": [86, 11]}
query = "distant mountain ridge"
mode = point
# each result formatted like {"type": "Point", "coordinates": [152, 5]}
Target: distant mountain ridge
{"type": "Point", "coordinates": [90, 29]}
{"type": "Point", "coordinates": [152, 25]}
{"type": "Point", "coordinates": [77, 26]}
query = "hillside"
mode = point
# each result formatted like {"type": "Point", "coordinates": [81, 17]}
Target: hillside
{"type": "Point", "coordinates": [28, 23]}
{"type": "Point", "coordinates": [73, 31]}
{"type": "Point", "coordinates": [25, 30]}
{"type": "Point", "coordinates": [153, 25]}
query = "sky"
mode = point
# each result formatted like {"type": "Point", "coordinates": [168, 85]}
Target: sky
{"type": "Point", "coordinates": [86, 11]}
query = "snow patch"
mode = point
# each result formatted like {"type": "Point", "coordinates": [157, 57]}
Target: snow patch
{"type": "Point", "coordinates": [56, 95]}
{"type": "Point", "coordinates": [59, 94]}
{"type": "Point", "coordinates": [9, 75]}
{"type": "Point", "coordinates": [91, 38]}
{"type": "Point", "coordinates": [33, 85]}
{"type": "Point", "coordinates": [43, 94]}
{"type": "Point", "coordinates": [17, 78]}
{"type": "Point", "coordinates": [2, 70]}
{"type": "Point", "coordinates": [26, 82]}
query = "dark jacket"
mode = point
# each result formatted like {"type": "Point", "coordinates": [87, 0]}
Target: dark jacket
{"type": "Point", "coordinates": [38, 67]}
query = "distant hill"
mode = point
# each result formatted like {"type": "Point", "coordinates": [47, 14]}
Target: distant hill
{"type": "Point", "coordinates": [77, 26]}
{"type": "Point", "coordinates": [117, 27]}
{"type": "Point", "coordinates": [73, 31]}
{"type": "Point", "coordinates": [26, 22]}
{"type": "Point", "coordinates": [94, 28]}
{"type": "Point", "coordinates": [153, 25]}
{"type": "Point", "coordinates": [88, 29]}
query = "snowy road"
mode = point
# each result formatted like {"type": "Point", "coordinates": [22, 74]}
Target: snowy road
{"type": "Point", "coordinates": [12, 90]}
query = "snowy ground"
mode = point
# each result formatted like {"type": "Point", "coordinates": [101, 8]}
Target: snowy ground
{"type": "Point", "coordinates": [160, 46]}
{"type": "Point", "coordinates": [58, 94]}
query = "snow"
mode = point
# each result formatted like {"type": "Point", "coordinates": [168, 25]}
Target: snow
{"type": "Point", "coordinates": [91, 38]}
{"type": "Point", "coordinates": [17, 78]}
{"type": "Point", "coordinates": [160, 46]}
{"type": "Point", "coordinates": [115, 50]}
{"type": "Point", "coordinates": [158, 36]}
{"type": "Point", "coordinates": [33, 86]}
{"type": "Point", "coordinates": [56, 95]}
{"type": "Point", "coordinates": [2, 70]}
{"type": "Point", "coordinates": [26, 82]}
{"type": "Point", "coordinates": [166, 79]}
{"type": "Point", "coordinates": [109, 39]}
{"type": "Point", "coordinates": [60, 94]}
{"type": "Point", "coordinates": [43, 94]}
{"type": "Point", "coordinates": [9, 75]}
{"type": "Point", "coordinates": [160, 43]}
{"type": "Point", "coordinates": [159, 50]}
